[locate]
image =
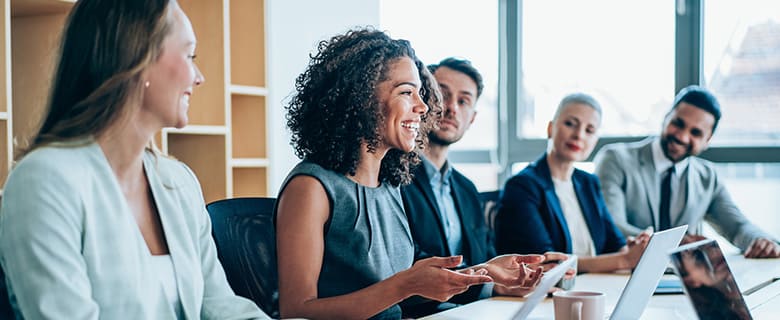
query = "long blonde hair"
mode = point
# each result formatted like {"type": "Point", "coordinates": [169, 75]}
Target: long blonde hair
{"type": "Point", "coordinates": [105, 47]}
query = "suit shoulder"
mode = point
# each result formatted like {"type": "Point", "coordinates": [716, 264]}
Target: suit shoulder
{"type": "Point", "coordinates": [67, 165]}
{"type": "Point", "coordinates": [527, 178]}
{"type": "Point", "coordinates": [702, 167]}
{"type": "Point", "coordinates": [462, 180]}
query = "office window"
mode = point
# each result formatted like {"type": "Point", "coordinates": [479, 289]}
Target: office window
{"type": "Point", "coordinates": [467, 29]}
{"type": "Point", "coordinates": [621, 52]}
{"type": "Point", "coordinates": [462, 28]}
{"type": "Point", "coordinates": [741, 65]}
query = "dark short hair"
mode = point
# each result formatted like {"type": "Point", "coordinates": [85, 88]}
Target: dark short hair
{"type": "Point", "coordinates": [700, 98]}
{"type": "Point", "coordinates": [461, 65]}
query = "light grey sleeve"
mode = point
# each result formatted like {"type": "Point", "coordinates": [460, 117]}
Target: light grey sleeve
{"type": "Point", "coordinates": [613, 180]}
{"type": "Point", "coordinates": [724, 215]}
{"type": "Point", "coordinates": [219, 300]}
{"type": "Point", "coordinates": [40, 245]}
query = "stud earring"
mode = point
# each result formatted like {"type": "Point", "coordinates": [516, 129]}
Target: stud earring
{"type": "Point", "coordinates": [146, 84]}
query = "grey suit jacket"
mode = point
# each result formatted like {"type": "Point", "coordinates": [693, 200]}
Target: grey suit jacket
{"type": "Point", "coordinates": [71, 248]}
{"type": "Point", "coordinates": [632, 187]}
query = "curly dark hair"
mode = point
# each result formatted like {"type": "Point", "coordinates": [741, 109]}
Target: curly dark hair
{"type": "Point", "coordinates": [336, 108]}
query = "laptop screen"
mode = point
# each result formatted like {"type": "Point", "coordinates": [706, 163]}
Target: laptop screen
{"type": "Point", "coordinates": [708, 281]}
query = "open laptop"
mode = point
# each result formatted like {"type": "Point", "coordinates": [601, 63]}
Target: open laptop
{"type": "Point", "coordinates": [709, 282]}
{"type": "Point", "coordinates": [549, 279]}
{"type": "Point", "coordinates": [640, 286]}
{"type": "Point", "coordinates": [648, 271]}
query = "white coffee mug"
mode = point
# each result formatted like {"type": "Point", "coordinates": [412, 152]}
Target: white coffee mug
{"type": "Point", "coordinates": [578, 305]}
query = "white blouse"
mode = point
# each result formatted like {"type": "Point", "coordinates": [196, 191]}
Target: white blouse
{"type": "Point", "coordinates": [581, 241]}
{"type": "Point", "coordinates": [163, 267]}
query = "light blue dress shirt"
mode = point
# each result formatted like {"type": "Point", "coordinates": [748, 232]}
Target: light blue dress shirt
{"type": "Point", "coordinates": [442, 191]}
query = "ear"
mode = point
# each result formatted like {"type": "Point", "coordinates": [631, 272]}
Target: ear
{"type": "Point", "coordinates": [549, 130]}
{"type": "Point", "coordinates": [473, 116]}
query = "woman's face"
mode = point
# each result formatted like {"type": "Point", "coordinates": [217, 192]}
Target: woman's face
{"type": "Point", "coordinates": [172, 77]}
{"type": "Point", "coordinates": [575, 132]}
{"type": "Point", "coordinates": [403, 107]}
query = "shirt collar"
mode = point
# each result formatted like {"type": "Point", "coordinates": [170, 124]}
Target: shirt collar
{"type": "Point", "coordinates": [432, 171]}
{"type": "Point", "coordinates": [662, 163]}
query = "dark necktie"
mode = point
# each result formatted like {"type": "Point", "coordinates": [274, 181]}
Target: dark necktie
{"type": "Point", "coordinates": [666, 199]}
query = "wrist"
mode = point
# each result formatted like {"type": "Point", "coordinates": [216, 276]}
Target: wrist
{"type": "Point", "coordinates": [625, 261]}
{"type": "Point", "coordinates": [401, 285]}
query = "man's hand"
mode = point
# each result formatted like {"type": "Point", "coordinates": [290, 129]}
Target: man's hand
{"type": "Point", "coordinates": [763, 248]}
{"type": "Point", "coordinates": [690, 238]}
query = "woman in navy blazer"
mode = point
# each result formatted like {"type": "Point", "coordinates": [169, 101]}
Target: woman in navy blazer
{"type": "Point", "coordinates": [552, 206]}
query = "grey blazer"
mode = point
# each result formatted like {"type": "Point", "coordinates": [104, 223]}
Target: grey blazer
{"type": "Point", "coordinates": [71, 248]}
{"type": "Point", "coordinates": [631, 189]}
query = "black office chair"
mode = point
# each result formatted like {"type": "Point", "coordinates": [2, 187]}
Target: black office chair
{"type": "Point", "coordinates": [245, 237]}
{"type": "Point", "coordinates": [489, 201]}
{"type": "Point", "coordinates": [5, 303]}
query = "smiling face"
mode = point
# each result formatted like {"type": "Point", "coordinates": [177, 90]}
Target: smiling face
{"type": "Point", "coordinates": [172, 77]}
{"type": "Point", "coordinates": [402, 105]}
{"type": "Point", "coordinates": [574, 133]}
{"type": "Point", "coordinates": [687, 131]}
{"type": "Point", "coordinates": [459, 92]}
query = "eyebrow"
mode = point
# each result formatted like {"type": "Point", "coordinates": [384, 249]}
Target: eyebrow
{"type": "Point", "coordinates": [405, 83]}
{"type": "Point", "coordinates": [468, 93]}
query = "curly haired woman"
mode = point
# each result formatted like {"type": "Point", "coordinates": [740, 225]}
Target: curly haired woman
{"type": "Point", "coordinates": [344, 246]}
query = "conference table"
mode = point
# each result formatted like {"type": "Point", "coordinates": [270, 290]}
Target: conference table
{"type": "Point", "coordinates": [757, 275]}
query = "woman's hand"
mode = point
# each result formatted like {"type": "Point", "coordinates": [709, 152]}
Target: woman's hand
{"type": "Point", "coordinates": [514, 270]}
{"type": "Point", "coordinates": [635, 246]}
{"type": "Point", "coordinates": [432, 279]}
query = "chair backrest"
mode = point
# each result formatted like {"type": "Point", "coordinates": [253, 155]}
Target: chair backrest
{"type": "Point", "coordinates": [489, 201]}
{"type": "Point", "coordinates": [245, 237]}
{"type": "Point", "coordinates": [6, 312]}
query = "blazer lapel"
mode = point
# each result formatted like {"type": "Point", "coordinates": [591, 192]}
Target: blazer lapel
{"type": "Point", "coordinates": [650, 180]}
{"type": "Point", "coordinates": [679, 218]}
{"type": "Point", "coordinates": [172, 222]}
{"type": "Point", "coordinates": [552, 200]}
{"type": "Point", "coordinates": [459, 196]}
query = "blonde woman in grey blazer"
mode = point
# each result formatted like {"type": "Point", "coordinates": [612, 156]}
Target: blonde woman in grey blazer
{"type": "Point", "coordinates": [631, 176]}
{"type": "Point", "coordinates": [94, 223]}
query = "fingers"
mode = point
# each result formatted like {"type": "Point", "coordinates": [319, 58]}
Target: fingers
{"type": "Point", "coordinates": [441, 262]}
{"type": "Point", "coordinates": [750, 252]}
{"type": "Point", "coordinates": [763, 248]}
{"type": "Point", "coordinates": [474, 271]}
{"type": "Point", "coordinates": [530, 258]}
{"type": "Point", "coordinates": [555, 256]}
{"type": "Point", "coordinates": [458, 279]}
{"type": "Point", "coordinates": [536, 277]}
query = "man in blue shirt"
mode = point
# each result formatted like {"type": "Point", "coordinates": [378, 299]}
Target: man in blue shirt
{"type": "Point", "coordinates": [443, 207]}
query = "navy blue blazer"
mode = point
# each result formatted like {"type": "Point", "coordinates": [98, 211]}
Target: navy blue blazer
{"type": "Point", "coordinates": [426, 224]}
{"type": "Point", "coordinates": [530, 219]}
{"type": "Point", "coordinates": [430, 239]}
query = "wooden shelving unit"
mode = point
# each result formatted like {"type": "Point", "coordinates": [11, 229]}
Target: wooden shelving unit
{"type": "Point", "coordinates": [225, 140]}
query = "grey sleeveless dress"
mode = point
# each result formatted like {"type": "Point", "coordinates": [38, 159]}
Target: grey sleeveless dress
{"type": "Point", "coordinates": [367, 237]}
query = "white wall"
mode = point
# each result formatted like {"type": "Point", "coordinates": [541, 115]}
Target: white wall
{"type": "Point", "coordinates": [293, 29]}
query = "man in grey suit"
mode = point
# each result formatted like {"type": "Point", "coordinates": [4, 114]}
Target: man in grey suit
{"type": "Point", "coordinates": [659, 182]}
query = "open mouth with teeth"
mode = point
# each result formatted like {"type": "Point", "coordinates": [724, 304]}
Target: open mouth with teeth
{"type": "Point", "coordinates": [411, 125]}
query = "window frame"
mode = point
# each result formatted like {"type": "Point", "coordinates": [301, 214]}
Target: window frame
{"type": "Point", "coordinates": [688, 70]}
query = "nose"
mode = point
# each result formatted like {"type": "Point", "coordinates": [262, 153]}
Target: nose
{"type": "Point", "coordinates": [450, 106]}
{"type": "Point", "coordinates": [199, 78]}
{"type": "Point", "coordinates": [682, 136]}
{"type": "Point", "coordinates": [419, 105]}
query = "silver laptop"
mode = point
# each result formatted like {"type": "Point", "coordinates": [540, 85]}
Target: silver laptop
{"type": "Point", "coordinates": [648, 271]}
{"type": "Point", "coordinates": [708, 281]}
{"type": "Point", "coordinates": [549, 279]}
